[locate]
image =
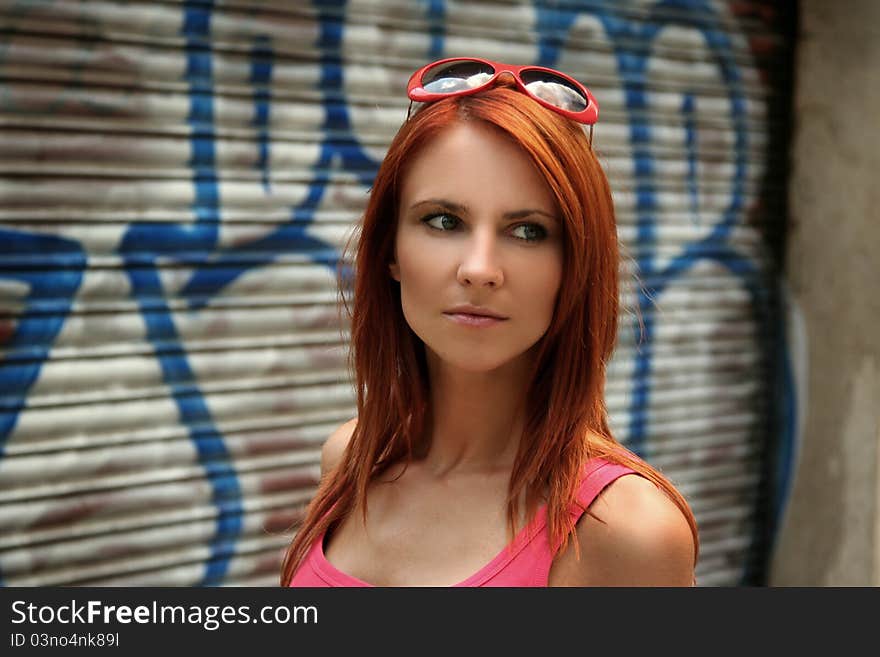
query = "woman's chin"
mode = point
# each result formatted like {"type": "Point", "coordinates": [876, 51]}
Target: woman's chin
{"type": "Point", "coordinates": [477, 363]}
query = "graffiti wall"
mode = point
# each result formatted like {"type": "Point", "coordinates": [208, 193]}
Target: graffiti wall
{"type": "Point", "coordinates": [177, 180]}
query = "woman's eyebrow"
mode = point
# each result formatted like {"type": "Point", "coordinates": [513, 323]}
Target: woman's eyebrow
{"type": "Point", "coordinates": [519, 214]}
{"type": "Point", "coordinates": [463, 209]}
{"type": "Point", "coordinates": [449, 205]}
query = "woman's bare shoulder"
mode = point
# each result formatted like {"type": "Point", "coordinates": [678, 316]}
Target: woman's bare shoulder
{"type": "Point", "coordinates": [633, 535]}
{"type": "Point", "coordinates": [334, 446]}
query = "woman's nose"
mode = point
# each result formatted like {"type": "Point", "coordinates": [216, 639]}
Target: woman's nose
{"type": "Point", "coordinates": [480, 265]}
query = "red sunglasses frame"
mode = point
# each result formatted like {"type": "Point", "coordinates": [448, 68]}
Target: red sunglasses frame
{"type": "Point", "coordinates": [416, 92]}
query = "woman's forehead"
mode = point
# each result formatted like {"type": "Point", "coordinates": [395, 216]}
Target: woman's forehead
{"type": "Point", "coordinates": [470, 162]}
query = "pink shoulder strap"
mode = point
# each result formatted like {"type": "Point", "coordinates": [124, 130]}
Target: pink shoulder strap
{"type": "Point", "coordinates": [598, 474]}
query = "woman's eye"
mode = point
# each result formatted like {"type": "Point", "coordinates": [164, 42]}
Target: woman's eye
{"type": "Point", "coordinates": [441, 221]}
{"type": "Point", "coordinates": [530, 232]}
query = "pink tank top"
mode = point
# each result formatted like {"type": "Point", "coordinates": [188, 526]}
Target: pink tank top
{"type": "Point", "coordinates": [525, 561]}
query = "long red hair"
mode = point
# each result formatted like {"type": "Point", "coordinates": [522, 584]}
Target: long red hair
{"type": "Point", "coordinates": [566, 417]}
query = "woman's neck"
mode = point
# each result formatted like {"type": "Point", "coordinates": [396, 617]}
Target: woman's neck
{"type": "Point", "coordinates": [476, 418]}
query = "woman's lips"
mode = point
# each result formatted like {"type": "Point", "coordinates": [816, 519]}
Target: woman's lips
{"type": "Point", "coordinates": [476, 321]}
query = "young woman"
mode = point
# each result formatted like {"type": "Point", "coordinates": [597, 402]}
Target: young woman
{"type": "Point", "coordinates": [485, 310]}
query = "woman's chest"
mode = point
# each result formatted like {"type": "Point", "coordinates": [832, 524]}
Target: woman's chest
{"type": "Point", "coordinates": [421, 537]}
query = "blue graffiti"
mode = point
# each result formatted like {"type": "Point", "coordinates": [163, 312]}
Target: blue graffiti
{"type": "Point", "coordinates": [688, 113]}
{"type": "Point", "coordinates": [633, 73]}
{"type": "Point", "coordinates": [143, 244]}
{"type": "Point", "coordinates": [218, 267]}
{"type": "Point", "coordinates": [436, 11]}
{"type": "Point", "coordinates": [46, 307]}
{"type": "Point", "coordinates": [261, 79]}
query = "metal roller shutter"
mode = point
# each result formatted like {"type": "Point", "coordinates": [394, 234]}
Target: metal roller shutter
{"type": "Point", "coordinates": [176, 180]}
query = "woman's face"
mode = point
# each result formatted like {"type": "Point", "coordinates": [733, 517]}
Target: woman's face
{"type": "Point", "coordinates": [478, 250]}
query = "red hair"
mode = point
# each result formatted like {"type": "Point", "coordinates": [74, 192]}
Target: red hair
{"type": "Point", "coordinates": [566, 418]}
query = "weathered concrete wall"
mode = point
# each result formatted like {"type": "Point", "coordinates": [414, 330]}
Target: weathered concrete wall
{"type": "Point", "coordinates": [832, 532]}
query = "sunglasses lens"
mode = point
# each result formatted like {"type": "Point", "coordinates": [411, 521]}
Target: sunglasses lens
{"type": "Point", "coordinates": [456, 76]}
{"type": "Point", "coordinates": [555, 90]}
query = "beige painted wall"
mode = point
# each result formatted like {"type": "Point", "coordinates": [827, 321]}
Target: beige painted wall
{"type": "Point", "coordinates": [831, 534]}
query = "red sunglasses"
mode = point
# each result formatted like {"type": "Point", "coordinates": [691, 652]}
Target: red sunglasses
{"type": "Point", "coordinates": [461, 76]}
